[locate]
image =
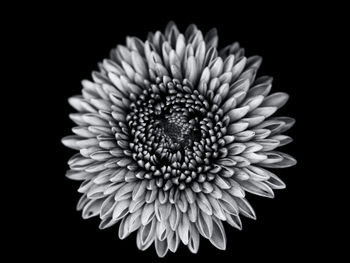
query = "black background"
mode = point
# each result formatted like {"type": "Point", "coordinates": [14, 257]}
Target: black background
{"type": "Point", "coordinates": [67, 43]}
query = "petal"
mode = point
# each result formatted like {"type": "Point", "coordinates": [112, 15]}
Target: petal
{"type": "Point", "coordinates": [257, 188]}
{"type": "Point", "coordinates": [254, 120]}
{"type": "Point", "coordinates": [193, 242]}
{"type": "Point", "coordinates": [107, 207]}
{"type": "Point", "coordinates": [211, 38]}
{"type": "Point", "coordinates": [189, 195]}
{"type": "Point", "coordinates": [244, 136]}
{"type": "Point", "coordinates": [192, 212]}
{"type": "Point", "coordinates": [83, 132]}
{"type": "Point", "coordinates": [274, 182]}
{"type": "Point", "coordinates": [216, 67]}
{"type": "Point", "coordinates": [228, 63]}
{"type": "Point", "coordinates": [83, 200]}
{"type": "Point", "coordinates": [276, 100]}
{"type": "Point", "coordinates": [254, 62]}
{"type": "Point", "coordinates": [236, 148]}
{"type": "Point", "coordinates": [253, 102]}
{"type": "Point", "coordinates": [237, 113]}
{"type": "Point", "coordinates": [147, 214]}
{"type": "Point", "coordinates": [191, 70]}
{"type": "Point", "coordinates": [241, 85]}
{"type": "Point", "coordinates": [135, 221]}
{"type": "Point", "coordinates": [100, 155]}
{"type": "Point", "coordinates": [71, 141]}
{"type": "Point", "coordinates": [234, 221]}
{"type": "Point", "coordinates": [139, 190]}
{"type": "Point", "coordinates": [200, 55]}
{"type": "Point", "coordinates": [173, 241]}
{"type": "Point", "coordinates": [96, 191]}
{"type": "Point", "coordinates": [161, 230]}
{"type": "Point", "coordinates": [123, 231]}
{"type": "Point", "coordinates": [228, 203]}
{"type": "Point", "coordinates": [245, 208]}
{"type": "Point", "coordinates": [136, 205]}
{"type": "Point", "coordinates": [238, 67]}
{"type": "Point", "coordinates": [92, 208]}
{"type": "Point", "coordinates": [226, 162]}
{"type": "Point", "coordinates": [146, 235]}
{"type": "Point", "coordinates": [261, 133]}
{"type": "Point", "coordinates": [217, 210]}
{"type": "Point", "coordinates": [272, 157]}
{"type": "Point", "coordinates": [174, 218]}
{"type": "Point", "coordinates": [87, 143]}
{"type": "Point", "coordinates": [205, 224]}
{"type": "Point", "coordinates": [229, 104]}
{"type": "Point", "coordinates": [139, 64]}
{"type": "Point", "coordinates": [101, 104]}
{"type": "Point", "coordinates": [256, 173]}
{"type": "Point", "coordinates": [204, 204]}
{"type": "Point", "coordinates": [262, 86]}
{"type": "Point", "coordinates": [161, 247]}
{"type": "Point", "coordinates": [107, 222]}
{"type": "Point", "coordinates": [268, 144]}
{"type": "Point", "coordinates": [79, 175]}
{"type": "Point", "coordinates": [236, 189]}
{"type": "Point", "coordinates": [76, 102]}
{"type": "Point", "coordinates": [283, 139]}
{"type": "Point", "coordinates": [218, 238]}
{"type": "Point", "coordinates": [183, 229]}
{"type": "Point", "coordinates": [121, 209]}
{"type": "Point", "coordinates": [264, 111]}
{"type": "Point", "coordinates": [125, 190]}
{"type": "Point", "coordinates": [289, 122]}
{"type": "Point", "coordinates": [254, 157]}
{"type": "Point", "coordinates": [221, 182]}
{"type": "Point", "coordinates": [287, 161]}
{"type": "Point", "coordinates": [94, 120]}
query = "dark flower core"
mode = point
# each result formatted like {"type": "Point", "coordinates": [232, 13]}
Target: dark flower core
{"type": "Point", "coordinates": [174, 132]}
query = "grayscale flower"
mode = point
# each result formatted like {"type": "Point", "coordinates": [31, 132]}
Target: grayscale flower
{"type": "Point", "coordinates": [171, 134]}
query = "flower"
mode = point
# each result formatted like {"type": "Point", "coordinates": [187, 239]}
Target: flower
{"type": "Point", "coordinates": [171, 134]}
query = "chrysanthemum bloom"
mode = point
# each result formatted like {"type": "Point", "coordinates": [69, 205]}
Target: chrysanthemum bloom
{"type": "Point", "coordinates": [171, 134]}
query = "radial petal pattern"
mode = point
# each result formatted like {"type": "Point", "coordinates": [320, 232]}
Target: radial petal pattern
{"type": "Point", "coordinates": [171, 133]}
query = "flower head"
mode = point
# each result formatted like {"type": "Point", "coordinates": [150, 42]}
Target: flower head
{"type": "Point", "coordinates": [171, 134]}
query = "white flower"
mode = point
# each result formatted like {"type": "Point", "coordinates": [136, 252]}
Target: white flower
{"type": "Point", "coordinates": [171, 134]}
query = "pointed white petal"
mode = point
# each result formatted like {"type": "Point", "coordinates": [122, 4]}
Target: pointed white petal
{"type": "Point", "coordinates": [205, 224]}
{"type": "Point", "coordinates": [194, 239]}
{"type": "Point", "coordinates": [245, 208]}
{"type": "Point", "coordinates": [121, 209]}
{"type": "Point", "coordinates": [257, 188]}
{"type": "Point", "coordinates": [184, 229]}
{"type": "Point", "coordinates": [228, 203]}
{"type": "Point", "coordinates": [234, 221]}
{"type": "Point", "coordinates": [92, 208]}
{"type": "Point", "coordinates": [107, 207]}
{"type": "Point", "coordinates": [277, 99]}
{"type": "Point", "coordinates": [161, 247]}
{"type": "Point", "coordinates": [287, 161]}
{"type": "Point", "coordinates": [147, 214]}
{"type": "Point", "coordinates": [173, 241]}
{"type": "Point", "coordinates": [204, 204]}
{"type": "Point", "coordinates": [139, 64]}
{"type": "Point", "coordinates": [191, 70]}
{"type": "Point", "coordinates": [218, 238]}
{"type": "Point", "coordinates": [237, 113]}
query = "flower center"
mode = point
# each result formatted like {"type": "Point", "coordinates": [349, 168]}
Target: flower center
{"type": "Point", "coordinates": [178, 131]}
{"type": "Point", "coordinates": [173, 134]}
